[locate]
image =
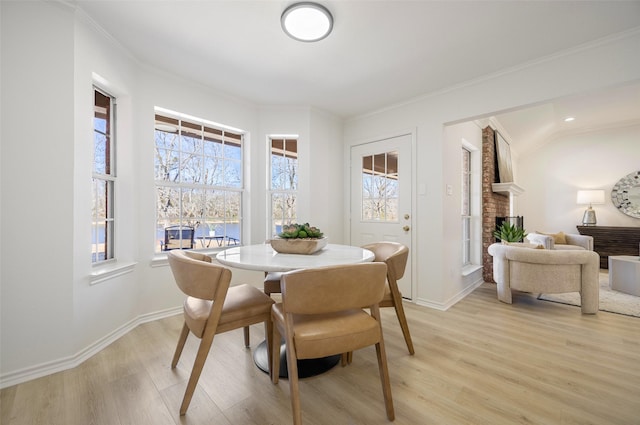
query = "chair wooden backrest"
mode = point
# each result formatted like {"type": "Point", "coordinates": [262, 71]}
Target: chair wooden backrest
{"type": "Point", "coordinates": [321, 315]}
{"type": "Point", "coordinates": [197, 277]}
{"type": "Point", "coordinates": [395, 256]}
{"type": "Point", "coordinates": [332, 289]}
{"type": "Point", "coordinates": [212, 306]}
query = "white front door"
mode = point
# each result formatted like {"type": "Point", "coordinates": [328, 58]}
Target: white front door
{"type": "Point", "coordinates": [381, 196]}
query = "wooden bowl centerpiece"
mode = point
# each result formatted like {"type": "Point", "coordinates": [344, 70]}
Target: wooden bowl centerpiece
{"type": "Point", "coordinates": [299, 239]}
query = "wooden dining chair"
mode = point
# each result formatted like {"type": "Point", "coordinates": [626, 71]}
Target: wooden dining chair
{"type": "Point", "coordinates": [213, 306]}
{"type": "Point", "coordinates": [321, 315]}
{"type": "Point", "coordinates": [395, 256]}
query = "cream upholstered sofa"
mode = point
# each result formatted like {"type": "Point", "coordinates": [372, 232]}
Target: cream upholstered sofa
{"type": "Point", "coordinates": [561, 240]}
{"type": "Point", "coordinates": [546, 271]}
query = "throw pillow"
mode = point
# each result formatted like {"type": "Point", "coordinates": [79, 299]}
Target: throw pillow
{"type": "Point", "coordinates": [558, 238]}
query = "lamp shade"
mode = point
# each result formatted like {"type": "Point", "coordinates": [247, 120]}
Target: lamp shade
{"type": "Point", "coordinates": [588, 197]}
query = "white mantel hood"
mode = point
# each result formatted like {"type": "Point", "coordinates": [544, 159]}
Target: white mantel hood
{"type": "Point", "coordinates": [507, 189]}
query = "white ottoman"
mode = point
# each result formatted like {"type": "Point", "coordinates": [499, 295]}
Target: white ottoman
{"type": "Point", "coordinates": [624, 274]}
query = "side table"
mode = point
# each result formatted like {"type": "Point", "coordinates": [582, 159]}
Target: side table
{"type": "Point", "coordinates": [624, 274]}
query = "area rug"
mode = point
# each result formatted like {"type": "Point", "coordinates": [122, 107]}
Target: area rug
{"type": "Point", "coordinates": [610, 300]}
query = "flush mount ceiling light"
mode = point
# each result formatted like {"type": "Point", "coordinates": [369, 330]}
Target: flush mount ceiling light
{"type": "Point", "coordinates": [306, 21]}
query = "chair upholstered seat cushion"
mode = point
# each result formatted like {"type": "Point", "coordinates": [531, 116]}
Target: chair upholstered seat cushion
{"type": "Point", "coordinates": [322, 335]}
{"type": "Point", "coordinates": [272, 283]}
{"type": "Point", "coordinates": [241, 301]}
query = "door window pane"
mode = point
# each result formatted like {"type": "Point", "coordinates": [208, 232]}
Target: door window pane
{"type": "Point", "coordinates": [380, 187]}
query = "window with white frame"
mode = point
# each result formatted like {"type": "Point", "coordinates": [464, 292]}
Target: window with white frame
{"type": "Point", "coordinates": [283, 182]}
{"type": "Point", "coordinates": [103, 178]}
{"type": "Point", "coordinates": [380, 187]}
{"type": "Point", "coordinates": [466, 207]}
{"type": "Point", "coordinates": [199, 183]}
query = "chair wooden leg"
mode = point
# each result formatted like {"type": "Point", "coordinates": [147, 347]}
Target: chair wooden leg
{"type": "Point", "coordinates": [181, 340]}
{"type": "Point", "coordinates": [198, 365]}
{"type": "Point", "coordinates": [246, 337]}
{"type": "Point", "coordinates": [346, 358]}
{"type": "Point", "coordinates": [404, 325]}
{"type": "Point", "coordinates": [292, 369]}
{"type": "Point", "coordinates": [384, 378]}
{"type": "Point", "coordinates": [343, 359]}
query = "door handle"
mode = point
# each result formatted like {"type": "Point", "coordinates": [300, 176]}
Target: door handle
{"type": "Point", "coordinates": [406, 228]}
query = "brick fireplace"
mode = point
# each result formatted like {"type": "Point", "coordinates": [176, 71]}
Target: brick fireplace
{"type": "Point", "coordinates": [493, 204]}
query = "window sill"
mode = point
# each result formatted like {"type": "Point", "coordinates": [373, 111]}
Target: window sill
{"type": "Point", "coordinates": [160, 259]}
{"type": "Point", "coordinates": [469, 269]}
{"type": "Point", "coordinates": [110, 271]}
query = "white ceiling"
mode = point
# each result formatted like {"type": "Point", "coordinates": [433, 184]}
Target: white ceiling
{"type": "Point", "coordinates": [379, 54]}
{"type": "Point", "coordinates": [530, 128]}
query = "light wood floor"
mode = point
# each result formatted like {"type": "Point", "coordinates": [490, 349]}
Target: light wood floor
{"type": "Point", "coordinates": [481, 362]}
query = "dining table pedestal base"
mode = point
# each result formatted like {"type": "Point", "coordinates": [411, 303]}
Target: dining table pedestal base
{"type": "Point", "coordinates": [306, 367]}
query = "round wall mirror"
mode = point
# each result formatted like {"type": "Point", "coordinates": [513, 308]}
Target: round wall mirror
{"type": "Point", "coordinates": [626, 195]}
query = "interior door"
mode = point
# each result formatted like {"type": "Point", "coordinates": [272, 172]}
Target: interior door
{"type": "Point", "coordinates": [381, 196]}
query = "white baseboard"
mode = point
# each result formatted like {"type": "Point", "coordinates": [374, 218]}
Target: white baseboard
{"type": "Point", "coordinates": [48, 368]}
{"type": "Point", "coordinates": [451, 301]}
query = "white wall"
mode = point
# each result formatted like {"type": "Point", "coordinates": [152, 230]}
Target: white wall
{"type": "Point", "coordinates": [101, 309]}
{"type": "Point", "coordinates": [609, 62]}
{"type": "Point", "coordinates": [469, 135]}
{"type": "Point", "coordinates": [326, 175]}
{"type": "Point", "coordinates": [37, 184]}
{"type": "Point", "coordinates": [553, 174]}
{"type": "Point", "coordinates": [52, 317]}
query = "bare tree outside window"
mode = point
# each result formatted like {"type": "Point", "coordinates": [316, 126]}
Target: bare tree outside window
{"type": "Point", "coordinates": [284, 182]}
{"type": "Point", "coordinates": [198, 173]}
{"type": "Point", "coordinates": [103, 178]}
{"type": "Point", "coordinates": [380, 187]}
{"type": "Point", "coordinates": [466, 207]}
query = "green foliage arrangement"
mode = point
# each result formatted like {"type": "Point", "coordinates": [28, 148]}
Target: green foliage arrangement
{"type": "Point", "coordinates": [300, 231]}
{"type": "Point", "coordinates": [508, 232]}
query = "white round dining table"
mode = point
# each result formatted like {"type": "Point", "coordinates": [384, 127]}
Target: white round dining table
{"type": "Point", "coordinates": [262, 257]}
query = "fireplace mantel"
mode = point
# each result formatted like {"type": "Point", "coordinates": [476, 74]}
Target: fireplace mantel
{"type": "Point", "coordinates": [507, 189]}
